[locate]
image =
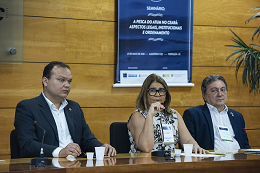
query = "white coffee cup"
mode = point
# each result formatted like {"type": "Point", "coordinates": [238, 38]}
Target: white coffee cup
{"type": "Point", "coordinates": [188, 149]}
{"type": "Point", "coordinates": [177, 152]}
{"type": "Point", "coordinates": [90, 155]}
{"type": "Point", "coordinates": [100, 151]}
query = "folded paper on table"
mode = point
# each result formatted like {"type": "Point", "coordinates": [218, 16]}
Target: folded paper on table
{"type": "Point", "coordinates": [202, 155]}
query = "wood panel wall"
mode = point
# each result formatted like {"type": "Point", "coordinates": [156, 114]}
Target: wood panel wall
{"type": "Point", "coordinates": [84, 35]}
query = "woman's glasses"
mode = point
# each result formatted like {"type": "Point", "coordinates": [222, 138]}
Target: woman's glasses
{"type": "Point", "coordinates": [153, 91]}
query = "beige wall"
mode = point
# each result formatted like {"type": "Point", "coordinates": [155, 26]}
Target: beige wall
{"type": "Point", "coordinates": [84, 35]}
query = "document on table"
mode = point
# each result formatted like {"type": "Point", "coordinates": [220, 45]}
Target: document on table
{"type": "Point", "coordinates": [202, 155]}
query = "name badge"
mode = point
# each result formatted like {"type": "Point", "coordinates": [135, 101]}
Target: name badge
{"type": "Point", "coordinates": [167, 134]}
{"type": "Point", "coordinates": [224, 133]}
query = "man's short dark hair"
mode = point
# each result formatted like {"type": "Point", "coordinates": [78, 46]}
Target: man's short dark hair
{"type": "Point", "coordinates": [47, 72]}
{"type": "Point", "coordinates": [209, 79]}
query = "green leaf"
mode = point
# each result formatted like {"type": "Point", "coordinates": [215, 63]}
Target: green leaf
{"type": "Point", "coordinates": [257, 31]}
{"type": "Point", "coordinates": [255, 8]}
{"type": "Point", "coordinates": [239, 41]}
{"type": "Point", "coordinates": [257, 15]}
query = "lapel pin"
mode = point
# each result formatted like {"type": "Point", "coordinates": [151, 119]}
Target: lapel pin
{"type": "Point", "coordinates": [70, 109]}
{"type": "Point", "coordinates": [232, 114]}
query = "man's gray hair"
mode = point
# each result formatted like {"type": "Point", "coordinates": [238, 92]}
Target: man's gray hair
{"type": "Point", "coordinates": [209, 79]}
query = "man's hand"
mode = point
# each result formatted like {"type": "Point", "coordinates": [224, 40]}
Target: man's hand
{"type": "Point", "coordinates": [71, 149]}
{"type": "Point", "coordinates": [109, 150]}
{"type": "Point", "coordinates": [198, 150]}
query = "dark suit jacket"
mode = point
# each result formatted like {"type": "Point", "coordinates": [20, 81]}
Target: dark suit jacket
{"type": "Point", "coordinates": [30, 135]}
{"type": "Point", "coordinates": [199, 123]}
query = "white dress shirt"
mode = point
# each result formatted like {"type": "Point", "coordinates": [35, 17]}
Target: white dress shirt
{"type": "Point", "coordinates": [222, 119]}
{"type": "Point", "coordinates": [62, 126]}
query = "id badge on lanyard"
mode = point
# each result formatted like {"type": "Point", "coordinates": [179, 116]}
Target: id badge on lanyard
{"type": "Point", "coordinates": [167, 134]}
{"type": "Point", "coordinates": [224, 133]}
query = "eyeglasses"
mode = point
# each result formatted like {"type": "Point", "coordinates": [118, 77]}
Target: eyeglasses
{"type": "Point", "coordinates": [153, 91]}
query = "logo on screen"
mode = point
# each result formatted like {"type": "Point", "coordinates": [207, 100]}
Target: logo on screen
{"type": "Point", "coordinates": [132, 75]}
{"type": "Point", "coordinates": [156, 0]}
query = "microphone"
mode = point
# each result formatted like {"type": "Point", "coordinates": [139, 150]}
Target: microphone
{"type": "Point", "coordinates": [244, 129]}
{"type": "Point", "coordinates": [41, 153]}
{"type": "Point", "coordinates": [163, 103]}
{"type": "Point", "coordinates": [41, 161]}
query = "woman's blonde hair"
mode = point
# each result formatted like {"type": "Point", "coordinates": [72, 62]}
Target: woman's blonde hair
{"type": "Point", "coordinates": [141, 101]}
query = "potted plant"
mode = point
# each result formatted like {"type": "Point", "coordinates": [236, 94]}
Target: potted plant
{"type": "Point", "coordinates": [247, 56]}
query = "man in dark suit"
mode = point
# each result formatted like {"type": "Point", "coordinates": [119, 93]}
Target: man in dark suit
{"type": "Point", "coordinates": [67, 132]}
{"type": "Point", "coordinates": [214, 126]}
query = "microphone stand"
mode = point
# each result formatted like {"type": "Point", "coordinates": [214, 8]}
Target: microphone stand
{"type": "Point", "coordinates": [41, 161]}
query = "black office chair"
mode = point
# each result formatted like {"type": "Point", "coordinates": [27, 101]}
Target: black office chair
{"type": "Point", "coordinates": [119, 137]}
{"type": "Point", "coordinates": [15, 150]}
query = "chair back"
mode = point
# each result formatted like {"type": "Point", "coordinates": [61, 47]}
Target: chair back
{"type": "Point", "coordinates": [14, 146]}
{"type": "Point", "coordinates": [119, 137]}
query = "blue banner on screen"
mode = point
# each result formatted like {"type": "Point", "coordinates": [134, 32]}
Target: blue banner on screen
{"type": "Point", "coordinates": [154, 36]}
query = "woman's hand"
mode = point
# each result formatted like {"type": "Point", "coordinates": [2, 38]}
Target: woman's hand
{"type": "Point", "coordinates": [155, 108]}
